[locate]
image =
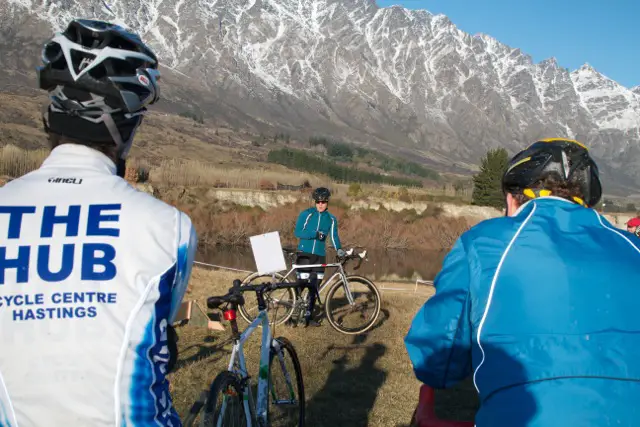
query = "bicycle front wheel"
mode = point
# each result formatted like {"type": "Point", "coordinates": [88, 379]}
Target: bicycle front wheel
{"type": "Point", "coordinates": [355, 317]}
{"type": "Point", "coordinates": [280, 302]}
{"type": "Point", "coordinates": [224, 406]}
{"type": "Point", "coordinates": [286, 387]}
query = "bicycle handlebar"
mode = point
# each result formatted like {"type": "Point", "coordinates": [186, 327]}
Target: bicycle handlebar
{"type": "Point", "coordinates": [291, 252]}
{"type": "Point", "coordinates": [360, 257]}
{"type": "Point", "coordinates": [235, 298]}
{"type": "Point", "coordinates": [268, 286]}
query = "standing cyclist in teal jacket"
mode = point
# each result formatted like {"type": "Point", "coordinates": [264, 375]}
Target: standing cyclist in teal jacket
{"type": "Point", "coordinates": [539, 306]}
{"type": "Point", "coordinates": [313, 227]}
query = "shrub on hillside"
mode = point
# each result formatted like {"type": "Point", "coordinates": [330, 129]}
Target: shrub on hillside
{"type": "Point", "coordinates": [403, 195]}
{"type": "Point", "coordinates": [266, 185]}
{"type": "Point", "coordinates": [136, 174]}
{"type": "Point", "coordinates": [354, 190]}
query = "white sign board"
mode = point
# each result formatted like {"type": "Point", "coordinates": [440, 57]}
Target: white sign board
{"type": "Point", "coordinates": [267, 252]}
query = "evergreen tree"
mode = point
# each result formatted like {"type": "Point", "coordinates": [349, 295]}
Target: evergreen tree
{"type": "Point", "coordinates": [487, 184]}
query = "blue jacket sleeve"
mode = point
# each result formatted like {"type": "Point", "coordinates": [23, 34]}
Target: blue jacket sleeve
{"type": "Point", "coordinates": [300, 232]}
{"type": "Point", "coordinates": [334, 233]}
{"type": "Point", "coordinates": [439, 339]}
{"type": "Point", "coordinates": [187, 245]}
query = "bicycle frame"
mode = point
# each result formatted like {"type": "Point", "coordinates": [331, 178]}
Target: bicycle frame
{"type": "Point", "coordinates": [237, 365]}
{"type": "Point", "coordinates": [325, 283]}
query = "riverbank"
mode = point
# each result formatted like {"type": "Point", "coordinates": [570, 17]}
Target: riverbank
{"type": "Point", "coordinates": [228, 217]}
{"type": "Point", "coordinates": [220, 224]}
{"type": "Point", "coordinates": [380, 218]}
{"type": "Point", "coordinates": [379, 265]}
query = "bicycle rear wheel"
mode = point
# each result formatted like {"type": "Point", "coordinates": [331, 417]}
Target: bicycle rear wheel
{"type": "Point", "coordinates": [356, 318]}
{"type": "Point", "coordinates": [286, 387]}
{"type": "Point", "coordinates": [224, 406]}
{"type": "Point", "coordinates": [280, 302]}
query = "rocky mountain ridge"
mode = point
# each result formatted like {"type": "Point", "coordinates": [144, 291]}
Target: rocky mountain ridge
{"type": "Point", "coordinates": [403, 81]}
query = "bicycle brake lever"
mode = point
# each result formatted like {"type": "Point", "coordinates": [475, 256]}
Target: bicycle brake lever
{"type": "Point", "coordinates": [236, 287]}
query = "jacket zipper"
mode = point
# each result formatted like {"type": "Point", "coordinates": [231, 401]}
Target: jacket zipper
{"type": "Point", "coordinates": [313, 250]}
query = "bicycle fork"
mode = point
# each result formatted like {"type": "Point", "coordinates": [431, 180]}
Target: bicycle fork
{"type": "Point", "coordinates": [292, 395]}
{"type": "Point", "coordinates": [347, 290]}
{"type": "Point", "coordinates": [263, 371]}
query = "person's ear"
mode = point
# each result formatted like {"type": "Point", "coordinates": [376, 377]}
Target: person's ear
{"type": "Point", "coordinates": [512, 205]}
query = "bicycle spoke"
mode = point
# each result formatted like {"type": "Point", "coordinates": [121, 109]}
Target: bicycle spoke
{"type": "Point", "coordinates": [279, 302]}
{"type": "Point", "coordinates": [353, 317]}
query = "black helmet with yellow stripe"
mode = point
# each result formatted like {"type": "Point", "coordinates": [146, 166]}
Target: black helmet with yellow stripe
{"type": "Point", "coordinates": [563, 160]}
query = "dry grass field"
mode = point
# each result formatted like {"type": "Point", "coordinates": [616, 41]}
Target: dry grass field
{"type": "Point", "coordinates": [349, 381]}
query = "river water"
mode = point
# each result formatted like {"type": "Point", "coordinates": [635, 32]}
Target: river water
{"type": "Point", "coordinates": [381, 265]}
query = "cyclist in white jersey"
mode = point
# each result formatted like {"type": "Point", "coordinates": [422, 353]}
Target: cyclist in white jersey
{"type": "Point", "coordinates": [92, 271]}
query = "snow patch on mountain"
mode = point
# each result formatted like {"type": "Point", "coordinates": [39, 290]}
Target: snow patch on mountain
{"type": "Point", "coordinates": [406, 78]}
{"type": "Point", "coordinates": [611, 105]}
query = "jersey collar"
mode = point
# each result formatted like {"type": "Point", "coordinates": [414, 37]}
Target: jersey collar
{"type": "Point", "coordinates": [75, 156]}
{"type": "Point", "coordinates": [528, 202]}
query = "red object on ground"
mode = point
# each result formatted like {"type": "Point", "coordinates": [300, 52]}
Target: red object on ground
{"type": "Point", "coordinates": [425, 415]}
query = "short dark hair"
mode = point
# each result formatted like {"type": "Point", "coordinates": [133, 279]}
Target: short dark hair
{"type": "Point", "coordinates": [108, 150]}
{"type": "Point", "coordinates": [564, 189]}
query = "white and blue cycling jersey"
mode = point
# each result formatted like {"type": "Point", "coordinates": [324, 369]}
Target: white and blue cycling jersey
{"type": "Point", "coordinates": [91, 273]}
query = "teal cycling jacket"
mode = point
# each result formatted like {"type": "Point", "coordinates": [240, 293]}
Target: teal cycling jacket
{"type": "Point", "coordinates": [542, 310]}
{"type": "Point", "coordinates": [309, 222]}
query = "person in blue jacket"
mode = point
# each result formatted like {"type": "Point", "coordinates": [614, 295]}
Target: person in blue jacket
{"type": "Point", "coordinates": [540, 306]}
{"type": "Point", "coordinates": [313, 227]}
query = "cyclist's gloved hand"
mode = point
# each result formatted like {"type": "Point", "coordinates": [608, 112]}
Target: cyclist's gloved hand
{"type": "Point", "coordinates": [321, 236]}
{"type": "Point", "coordinates": [341, 253]}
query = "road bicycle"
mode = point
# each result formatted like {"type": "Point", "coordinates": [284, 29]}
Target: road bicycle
{"type": "Point", "coordinates": [352, 303]}
{"type": "Point", "coordinates": [230, 400]}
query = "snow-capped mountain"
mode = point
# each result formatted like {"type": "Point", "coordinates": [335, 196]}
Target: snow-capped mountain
{"type": "Point", "coordinates": [403, 80]}
{"type": "Point", "coordinates": [612, 106]}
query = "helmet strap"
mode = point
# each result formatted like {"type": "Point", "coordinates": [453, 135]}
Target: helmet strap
{"type": "Point", "coordinates": [122, 147]}
{"type": "Point", "coordinates": [506, 206]}
{"type": "Point", "coordinates": [121, 167]}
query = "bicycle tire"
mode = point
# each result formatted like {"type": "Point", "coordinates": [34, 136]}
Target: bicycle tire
{"type": "Point", "coordinates": [227, 384]}
{"type": "Point", "coordinates": [272, 319]}
{"type": "Point", "coordinates": [331, 316]}
{"type": "Point", "coordinates": [194, 412]}
{"type": "Point", "coordinates": [287, 348]}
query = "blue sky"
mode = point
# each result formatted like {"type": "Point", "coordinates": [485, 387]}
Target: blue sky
{"type": "Point", "coordinates": [606, 34]}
